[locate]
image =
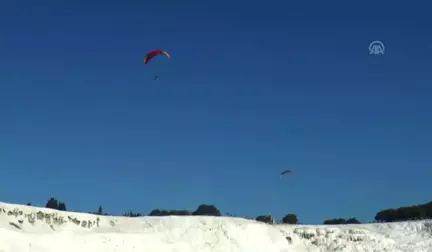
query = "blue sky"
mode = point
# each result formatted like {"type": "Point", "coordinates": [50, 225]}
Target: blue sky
{"type": "Point", "coordinates": [253, 88]}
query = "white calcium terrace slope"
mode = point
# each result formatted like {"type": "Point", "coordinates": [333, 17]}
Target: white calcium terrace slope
{"type": "Point", "coordinates": [26, 228]}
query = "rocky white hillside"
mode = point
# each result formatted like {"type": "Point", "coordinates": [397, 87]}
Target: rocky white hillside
{"type": "Point", "coordinates": [25, 228]}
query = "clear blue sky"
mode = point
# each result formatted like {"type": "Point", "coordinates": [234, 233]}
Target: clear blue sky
{"type": "Point", "coordinates": [254, 87]}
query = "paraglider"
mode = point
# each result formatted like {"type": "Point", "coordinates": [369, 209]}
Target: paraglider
{"type": "Point", "coordinates": [285, 172]}
{"type": "Point", "coordinates": [150, 55]}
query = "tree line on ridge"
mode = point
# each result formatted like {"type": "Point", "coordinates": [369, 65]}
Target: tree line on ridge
{"type": "Point", "coordinates": [404, 213]}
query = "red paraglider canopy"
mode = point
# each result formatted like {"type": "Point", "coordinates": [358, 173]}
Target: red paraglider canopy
{"type": "Point", "coordinates": [150, 55]}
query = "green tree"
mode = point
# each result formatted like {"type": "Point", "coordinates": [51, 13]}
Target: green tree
{"type": "Point", "coordinates": [180, 212]}
{"type": "Point", "coordinates": [404, 213]}
{"type": "Point", "coordinates": [428, 210]}
{"type": "Point", "coordinates": [132, 214]}
{"type": "Point", "coordinates": [290, 219]}
{"type": "Point", "coordinates": [209, 210]}
{"type": "Point", "coordinates": [100, 211]}
{"type": "Point", "coordinates": [52, 203]}
{"type": "Point", "coordinates": [158, 212]}
{"type": "Point", "coordinates": [352, 221]}
{"type": "Point", "coordinates": [266, 219]}
{"type": "Point", "coordinates": [62, 206]}
{"type": "Point", "coordinates": [334, 221]}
